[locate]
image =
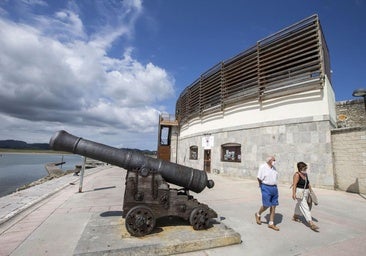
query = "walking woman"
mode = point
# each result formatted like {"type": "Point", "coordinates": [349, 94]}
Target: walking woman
{"type": "Point", "coordinates": [300, 192]}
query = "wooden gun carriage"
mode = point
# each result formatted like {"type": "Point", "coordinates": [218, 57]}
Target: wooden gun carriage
{"type": "Point", "coordinates": [148, 195]}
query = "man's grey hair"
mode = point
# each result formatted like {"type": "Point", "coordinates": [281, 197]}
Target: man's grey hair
{"type": "Point", "coordinates": [269, 158]}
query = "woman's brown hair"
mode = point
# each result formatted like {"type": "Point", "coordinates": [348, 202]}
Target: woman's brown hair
{"type": "Point", "coordinates": [301, 166]}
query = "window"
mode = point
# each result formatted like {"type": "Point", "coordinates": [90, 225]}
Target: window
{"type": "Point", "coordinates": [231, 152]}
{"type": "Point", "coordinates": [193, 153]}
{"type": "Point", "coordinates": [165, 135]}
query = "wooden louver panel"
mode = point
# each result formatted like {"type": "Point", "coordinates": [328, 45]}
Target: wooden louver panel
{"type": "Point", "coordinates": [290, 61]}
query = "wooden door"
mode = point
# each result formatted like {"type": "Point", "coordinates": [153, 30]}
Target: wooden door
{"type": "Point", "coordinates": [207, 160]}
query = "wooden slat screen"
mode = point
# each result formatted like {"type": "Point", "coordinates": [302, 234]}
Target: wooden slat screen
{"type": "Point", "coordinates": [293, 60]}
{"type": "Point", "coordinates": [211, 89]}
{"type": "Point", "coordinates": [195, 100]}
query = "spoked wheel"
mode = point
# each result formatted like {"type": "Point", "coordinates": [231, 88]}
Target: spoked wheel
{"type": "Point", "coordinates": [199, 218]}
{"type": "Point", "coordinates": [140, 221]}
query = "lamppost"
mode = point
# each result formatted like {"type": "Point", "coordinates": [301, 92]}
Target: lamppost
{"type": "Point", "coordinates": [360, 93]}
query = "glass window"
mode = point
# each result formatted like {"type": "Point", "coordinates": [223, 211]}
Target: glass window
{"type": "Point", "coordinates": [193, 153]}
{"type": "Point", "coordinates": [231, 152]}
{"type": "Point", "coordinates": [165, 135]}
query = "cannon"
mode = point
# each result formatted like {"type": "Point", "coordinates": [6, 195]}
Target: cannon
{"type": "Point", "coordinates": [148, 195]}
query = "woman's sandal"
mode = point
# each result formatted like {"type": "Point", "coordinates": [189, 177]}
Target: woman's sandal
{"type": "Point", "coordinates": [296, 218]}
{"type": "Point", "coordinates": [314, 227]}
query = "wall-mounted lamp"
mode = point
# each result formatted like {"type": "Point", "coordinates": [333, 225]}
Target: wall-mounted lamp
{"type": "Point", "coordinates": [360, 93]}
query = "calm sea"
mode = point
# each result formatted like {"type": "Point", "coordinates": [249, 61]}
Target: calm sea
{"type": "Point", "coordinates": [17, 170]}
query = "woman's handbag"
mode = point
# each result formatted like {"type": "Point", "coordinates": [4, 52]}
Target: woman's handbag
{"type": "Point", "coordinates": [313, 197]}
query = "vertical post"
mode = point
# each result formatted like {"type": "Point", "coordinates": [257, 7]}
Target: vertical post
{"type": "Point", "coordinates": [62, 160]}
{"type": "Point", "coordinates": [176, 147]}
{"type": "Point", "coordinates": [82, 175]}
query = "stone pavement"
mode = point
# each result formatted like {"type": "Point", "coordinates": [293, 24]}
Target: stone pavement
{"type": "Point", "coordinates": [53, 219]}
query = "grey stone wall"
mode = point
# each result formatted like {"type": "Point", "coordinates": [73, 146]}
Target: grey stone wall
{"type": "Point", "coordinates": [336, 155]}
{"type": "Point", "coordinates": [349, 148]}
{"type": "Point", "coordinates": [292, 141]}
{"type": "Point", "coordinates": [351, 113]}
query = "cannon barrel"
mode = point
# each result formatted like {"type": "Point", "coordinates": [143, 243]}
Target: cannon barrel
{"type": "Point", "coordinates": [180, 175]}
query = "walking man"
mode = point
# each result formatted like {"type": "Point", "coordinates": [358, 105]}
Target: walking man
{"type": "Point", "coordinates": [267, 178]}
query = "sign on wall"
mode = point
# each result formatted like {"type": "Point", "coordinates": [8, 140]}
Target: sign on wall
{"type": "Point", "coordinates": [208, 142]}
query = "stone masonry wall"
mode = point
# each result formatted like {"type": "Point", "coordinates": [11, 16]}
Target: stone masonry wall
{"type": "Point", "coordinates": [299, 140]}
{"type": "Point", "coordinates": [336, 155]}
{"type": "Point", "coordinates": [349, 146]}
{"type": "Point", "coordinates": [349, 149]}
{"type": "Point", "coordinates": [351, 113]}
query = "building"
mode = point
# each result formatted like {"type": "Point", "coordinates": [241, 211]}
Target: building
{"type": "Point", "coordinates": [276, 98]}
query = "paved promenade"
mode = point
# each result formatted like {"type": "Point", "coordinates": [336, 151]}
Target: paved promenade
{"type": "Point", "coordinates": [51, 218]}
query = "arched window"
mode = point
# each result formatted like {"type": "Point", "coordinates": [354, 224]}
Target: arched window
{"type": "Point", "coordinates": [231, 152]}
{"type": "Point", "coordinates": [193, 153]}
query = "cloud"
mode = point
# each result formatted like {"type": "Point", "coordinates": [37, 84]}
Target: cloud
{"type": "Point", "coordinates": [54, 73]}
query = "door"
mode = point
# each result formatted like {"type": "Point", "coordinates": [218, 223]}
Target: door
{"type": "Point", "coordinates": [207, 160]}
{"type": "Point", "coordinates": [164, 143]}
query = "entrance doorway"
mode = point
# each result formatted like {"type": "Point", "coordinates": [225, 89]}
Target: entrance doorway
{"type": "Point", "coordinates": [164, 142]}
{"type": "Point", "coordinates": [207, 160]}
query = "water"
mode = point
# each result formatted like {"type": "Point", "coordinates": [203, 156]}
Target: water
{"type": "Point", "coordinates": [17, 170]}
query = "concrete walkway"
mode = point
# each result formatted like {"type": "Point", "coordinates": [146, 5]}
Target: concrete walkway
{"type": "Point", "coordinates": [50, 219]}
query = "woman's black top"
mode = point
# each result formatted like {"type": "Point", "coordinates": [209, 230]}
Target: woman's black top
{"type": "Point", "coordinates": [301, 182]}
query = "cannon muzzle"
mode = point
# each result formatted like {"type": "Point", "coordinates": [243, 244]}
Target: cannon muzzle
{"type": "Point", "coordinates": [189, 178]}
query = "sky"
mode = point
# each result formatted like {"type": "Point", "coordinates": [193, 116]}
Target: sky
{"type": "Point", "coordinates": [105, 70]}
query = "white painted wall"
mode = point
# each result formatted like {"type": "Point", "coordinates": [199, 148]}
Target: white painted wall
{"type": "Point", "coordinates": [315, 104]}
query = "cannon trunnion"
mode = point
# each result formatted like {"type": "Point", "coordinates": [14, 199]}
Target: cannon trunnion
{"type": "Point", "coordinates": [148, 195]}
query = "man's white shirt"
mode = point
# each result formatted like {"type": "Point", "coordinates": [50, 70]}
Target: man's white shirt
{"type": "Point", "coordinates": [267, 174]}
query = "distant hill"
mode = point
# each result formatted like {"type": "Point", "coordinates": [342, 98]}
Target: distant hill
{"type": "Point", "coordinates": [145, 152]}
{"type": "Point", "coordinates": [18, 144]}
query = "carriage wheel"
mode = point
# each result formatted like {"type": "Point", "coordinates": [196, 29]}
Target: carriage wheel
{"type": "Point", "coordinates": [199, 218]}
{"type": "Point", "coordinates": [140, 221]}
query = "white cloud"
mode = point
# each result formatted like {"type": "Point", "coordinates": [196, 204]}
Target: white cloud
{"type": "Point", "coordinates": [53, 75]}
{"type": "Point", "coordinates": [35, 2]}
{"type": "Point", "coordinates": [133, 84]}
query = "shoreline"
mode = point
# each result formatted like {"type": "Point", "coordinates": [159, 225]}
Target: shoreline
{"type": "Point", "coordinates": [34, 152]}
{"type": "Point", "coordinates": [13, 168]}
{"type": "Point", "coordinates": [43, 180]}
